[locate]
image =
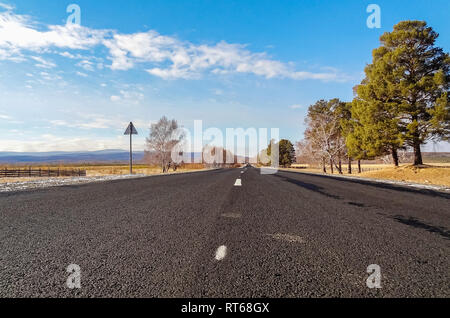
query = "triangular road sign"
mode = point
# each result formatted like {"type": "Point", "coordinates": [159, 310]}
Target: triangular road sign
{"type": "Point", "coordinates": [131, 130]}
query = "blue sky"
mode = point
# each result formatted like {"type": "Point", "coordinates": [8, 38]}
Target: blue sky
{"type": "Point", "coordinates": [252, 63]}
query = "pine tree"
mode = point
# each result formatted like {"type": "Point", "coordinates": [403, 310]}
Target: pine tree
{"type": "Point", "coordinates": [286, 152]}
{"type": "Point", "coordinates": [375, 127]}
{"type": "Point", "coordinates": [404, 98]}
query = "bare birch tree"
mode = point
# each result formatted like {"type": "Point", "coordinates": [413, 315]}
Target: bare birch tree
{"type": "Point", "coordinates": [323, 139]}
{"type": "Point", "coordinates": [164, 135]}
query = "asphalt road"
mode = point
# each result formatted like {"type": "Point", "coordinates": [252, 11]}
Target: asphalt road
{"type": "Point", "coordinates": [198, 235]}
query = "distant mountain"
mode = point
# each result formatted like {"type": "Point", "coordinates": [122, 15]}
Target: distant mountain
{"type": "Point", "coordinates": [110, 155]}
{"type": "Point", "coordinates": [101, 156]}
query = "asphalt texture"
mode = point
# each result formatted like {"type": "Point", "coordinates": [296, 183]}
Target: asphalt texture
{"type": "Point", "coordinates": [282, 235]}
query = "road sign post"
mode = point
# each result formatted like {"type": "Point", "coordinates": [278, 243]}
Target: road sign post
{"type": "Point", "coordinates": [131, 130]}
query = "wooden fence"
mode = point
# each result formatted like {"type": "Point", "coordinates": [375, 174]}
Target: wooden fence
{"type": "Point", "coordinates": [29, 172]}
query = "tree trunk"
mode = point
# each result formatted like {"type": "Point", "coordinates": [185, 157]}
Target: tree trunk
{"type": "Point", "coordinates": [359, 166]}
{"type": "Point", "coordinates": [416, 144]}
{"type": "Point", "coordinates": [395, 156]}
{"type": "Point", "coordinates": [339, 154]}
{"type": "Point", "coordinates": [331, 166]}
{"type": "Point", "coordinates": [417, 153]}
{"type": "Point", "coordinates": [349, 165]}
{"type": "Point", "coordinates": [339, 168]}
{"type": "Point", "coordinates": [324, 166]}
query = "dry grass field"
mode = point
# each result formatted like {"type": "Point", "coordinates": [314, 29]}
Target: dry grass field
{"type": "Point", "coordinates": [432, 173]}
{"type": "Point", "coordinates": [95, 171]}
{"type": "Point", "coordinates": [103, 170]}
{"type": "Point", "coordinates": [427, 174]}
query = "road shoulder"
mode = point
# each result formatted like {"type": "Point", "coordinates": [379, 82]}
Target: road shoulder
{"type": "Point", "coordinates": [374, 180]}
{"type": "Point", "coordinates": [41, 183]}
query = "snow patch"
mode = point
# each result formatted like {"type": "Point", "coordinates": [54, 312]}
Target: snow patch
{"type": "Point", "coordinates": [54, 182]}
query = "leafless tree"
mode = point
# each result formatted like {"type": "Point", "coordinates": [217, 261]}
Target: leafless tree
{"type": "Point", "coordinates": [164, 135]}
{"type": "Point", "coordinates": [323, 141]}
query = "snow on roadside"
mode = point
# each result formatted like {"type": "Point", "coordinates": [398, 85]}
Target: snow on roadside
{"type": "Point", "coordinates": [53, 182]}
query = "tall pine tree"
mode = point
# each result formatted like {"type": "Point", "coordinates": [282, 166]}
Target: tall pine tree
{"type": "Point", "coordinates": [405, 95]}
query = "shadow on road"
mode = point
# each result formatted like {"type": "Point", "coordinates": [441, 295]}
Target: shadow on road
{"type": "Point", "coordinates": [385, 186]}
{"type": "Point", "coordinates": [309, 186]}
{"type": "Point", "coordinates": [360, 205]}
{"type": "Point", "coordinates": [411, 221]}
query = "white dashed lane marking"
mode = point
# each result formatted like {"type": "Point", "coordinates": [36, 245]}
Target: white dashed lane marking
{"type": "Point", "coordinates": [238, 183]}
{"type": "Point", "coordinates": [221, 253]}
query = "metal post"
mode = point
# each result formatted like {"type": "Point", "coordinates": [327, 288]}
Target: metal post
{"type": "Point", "coordinates": [131, 154]}
{"type": "Point", "coordinates": [131, 131]}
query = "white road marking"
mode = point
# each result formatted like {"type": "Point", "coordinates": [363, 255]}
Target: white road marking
{"type": "Point", "coordinates": [242, 172]}
{"type": "Point", "coordinates": [232, 215]}
{"type": "Point", "coordinates": [238, 183]}
{"type": "Point", "coordinates": [221, 253]}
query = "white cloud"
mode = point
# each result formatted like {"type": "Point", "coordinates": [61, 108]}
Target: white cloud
{"type": "Point", "coordinates": [297, 106]}
{"type": "Point", "coordinates": [59, 123]}
{"type": "Point", "coordinates": [186, 60]}
{"type": "Point", "coordinates": [125, 50]}
{"type": "Point", "coordinates": [94, 121]}
{"type": "Point", "coordinates": [217, 92]}
{"type": "Point", "coordinates": [50, 142]}
{"type": "Point", "coordinates": [6, 6]}
{"type": "Point", "coordinates": [68, 55]}
{"type": "Point", "coordinates": [128, 96]}
{"type": "Point", "coordinates": [50, 77]}
{"type": "Point", "coordinates": [162, 56]}
{"type": "Point", "coordinates": [18, 32]}
{"type": "Point", "coordinates": [81, 74]}
{"type": "Point", "coordinates": [42, 63]}
{"type": "Point", "coordinates": [98, 123]}
{"type": "Point", "coordinates": [132, 95]}
{"type": "Point", "coordinates": [115, 98]}
{"type": "Point", "coordinates": [87, 65]}
{"type": "Point", "coordinates": [172, 73]}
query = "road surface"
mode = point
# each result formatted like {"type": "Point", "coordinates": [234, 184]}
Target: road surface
{"type": "Point", "coordinates": [203, 235]}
